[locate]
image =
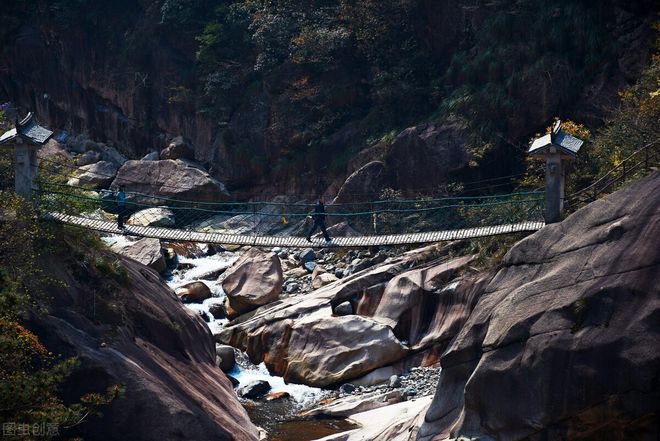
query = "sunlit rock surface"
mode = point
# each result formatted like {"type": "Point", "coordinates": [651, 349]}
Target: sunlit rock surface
{"type": "Point", "coordinates": [302, 340]}
{"type": "Point", "coordinates": [564, 342]}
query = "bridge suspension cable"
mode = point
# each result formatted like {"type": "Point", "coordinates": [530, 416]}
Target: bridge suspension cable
{"type": "Point", "coordinates": [382, 221]}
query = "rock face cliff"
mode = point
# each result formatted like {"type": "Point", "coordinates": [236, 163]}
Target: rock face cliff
{"type": "Point", "coordinates": [133, 331]}
{"type": "Point", "coordinates": [564, 341]}
{"type": "Point", "coordinates": [279, 96]}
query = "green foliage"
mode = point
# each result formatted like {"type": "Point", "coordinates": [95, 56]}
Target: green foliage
{"type": "Point", "coordinates": [30, 378]}
{"type": "Point", "coordinates": [634, 125]}
{"type": "Point", "coordinates": [22, 240]}
{"type": "Point", "coordinates": [525, 49]}
{"type": "Point", "coordinates": [490, 250]}
{"type": "Point", "coordinates": [53, 196]}
{"type": "Point", "coordinates": [91, 261]}
{"type": "Point", "coordinates": [209, 41]}
{"type": "Point", "coordinates": [182, 12]}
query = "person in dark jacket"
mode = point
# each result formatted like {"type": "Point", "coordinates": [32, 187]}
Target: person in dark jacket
{"type": "Point", "coordinates": [319, 220]}
{"type": "Point", "coordinates": [121, 207]}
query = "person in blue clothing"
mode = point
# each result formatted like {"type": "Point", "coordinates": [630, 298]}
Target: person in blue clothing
{"type": "Point", "coordinates": [121, 207]}
{"type": "Point", "coordinates": [319, 220]}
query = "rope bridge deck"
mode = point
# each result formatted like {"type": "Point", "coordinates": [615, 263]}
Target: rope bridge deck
{"type": "Point", "coordinates": [176, 235]}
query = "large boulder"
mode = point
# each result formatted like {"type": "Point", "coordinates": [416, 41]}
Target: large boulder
{"type": "Point", "coordinates": [396, 422]}
{"type": "Point", "coordinates": [254, 280]}
{"type": "Point", "coordinates": [343, 229]}
{"type": "Point", "coordinates": [194, 292]}
{"type": "Point", "coordinates": [300, 339]}
{"type": "Point", "coordinates": [179, 148]}
{"type": "Point", "coordinates": [255, 389]}
{"type": "Point", "coordinates": [147, 251]}
{"type": "Point", "coordinates": [362, 185]}
{"type": "Point", "coordinates": [98, 175]}
{"type": "Point", "coordinates": [352, 404]}
{"type": "Point", "coordinates": [170, 179]}
{"type": "Point", "coordinates": [226, 357]}
{"type": "Point", "coordinates": [153, 217]}
{"type": "Point", "coordinates": [409, 303]}
{"type": "Point", "coordinates": [54, 154]}
{"type": "Point", "coordinates": [422, 157]}
{"type": "Point", "coordinates": [139, 336]}
{"type": "Point", "coordinates": [567, 331]}
{"type": "Point", "coordinates": [329, 350]}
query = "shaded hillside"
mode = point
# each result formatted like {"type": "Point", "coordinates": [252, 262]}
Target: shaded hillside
{"type": "Point", "coordinates": [285, 94]}
{"type": "Point", "coordinates": [112, 324]}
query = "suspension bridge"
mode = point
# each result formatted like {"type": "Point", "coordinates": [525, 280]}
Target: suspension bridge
{"type": "Point", "coordinates": [178, 235]}
{"type": "Point", "coordinates": [283, 223]}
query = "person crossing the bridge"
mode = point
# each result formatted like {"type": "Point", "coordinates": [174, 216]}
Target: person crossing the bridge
{"type": "Point", "coordinates": [121, 207]}
{"type": "Point", "coordinates": [318, 216]}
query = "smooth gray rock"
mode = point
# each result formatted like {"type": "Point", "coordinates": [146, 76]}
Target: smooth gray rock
{"type": "Point", "coordinates": [344, 308]}
{"type": "Point", "coordinates": [227, 357]}
{"type": "Point", "coordinates": [307, 255]}
{"type": "Point", "coordinates": [255, 389]}
{"type": "Point", "coordinates": [170, 179]}
{"type": "Point", "coordinates": [97, 175]}
{"type": "Point", "coordinates": [194, 292]}
{"type": "Point", "coordinates": [147, 251]}
{"type": "Point", "coordinates": [153, 217]}
{"type": "Point", "coordinates": [567, 331]}
{"type": "Point", "coordinates": [254, 280]}
{"type": "Point", "coordinates": [153, 156]}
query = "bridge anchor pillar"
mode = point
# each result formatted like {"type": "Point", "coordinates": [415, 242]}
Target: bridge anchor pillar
{"type": "Point", "coordinates": [26, 137]}
{"type": "Point", "coordinates": [554, 188]}
{"type": "Point", "coordinates": [555, 148]}
{"type": "Point", "coordinates": [25, 170]}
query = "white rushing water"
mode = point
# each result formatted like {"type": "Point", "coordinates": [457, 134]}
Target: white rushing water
{"type": "Point", "coordinates": [244, 372]}
{"type": "Point", "coordinates": [203, 269]}
{"type": "Point", "coordinates": [303, 395]}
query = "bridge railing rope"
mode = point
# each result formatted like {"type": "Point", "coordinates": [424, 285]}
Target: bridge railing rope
{"type": "Point", "coordinates": [381, 217]}
{"type": "Point", "coordinates": [638, 162]}
{"type": "Point", "coordinates": [287, 216]}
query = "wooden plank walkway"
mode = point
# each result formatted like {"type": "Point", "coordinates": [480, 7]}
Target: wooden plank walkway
{"type": "Point", "coordinates": [174, 235]}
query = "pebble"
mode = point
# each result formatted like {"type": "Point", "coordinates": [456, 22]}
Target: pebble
{"type": "Point", "coordinates": [419, 382]}
{"type": "Point", "coordinates": [291, 287]}
{"type": "Point", "coordinates": [307, 255]}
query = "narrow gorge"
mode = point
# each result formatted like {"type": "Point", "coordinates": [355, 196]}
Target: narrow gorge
{"type": "Point", "coordinates": [330, 220]}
